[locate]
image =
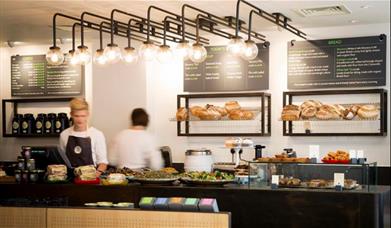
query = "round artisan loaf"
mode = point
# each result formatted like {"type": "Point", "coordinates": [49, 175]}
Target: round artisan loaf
{"type": "Point", "coordinates": [232, 105]}
{"type": "Point", "coordinates": [368, 112]}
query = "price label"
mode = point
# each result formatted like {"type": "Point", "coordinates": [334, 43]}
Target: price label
{"type": "Point", "coordinates": [360, 154]}
{"type": "Point", "coordinates": [275, 179]}
{"type": "Point", "coordinates": [339, 179]}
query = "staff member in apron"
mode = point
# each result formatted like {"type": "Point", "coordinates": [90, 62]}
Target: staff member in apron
{"type": "Point", "coordinates": [82, 145]}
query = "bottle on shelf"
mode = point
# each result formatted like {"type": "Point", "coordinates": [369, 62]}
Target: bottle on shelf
{"type": "Point", "coordinates": [16, 124]}
{"type": "Point", "coordinates": [28, 123]}
{"type": "Point", "coordinates": [62, 122]}
{"type": "Point", "coordinates": [50, 123]}
{"type": "Point", "coordinates": [39, 123]}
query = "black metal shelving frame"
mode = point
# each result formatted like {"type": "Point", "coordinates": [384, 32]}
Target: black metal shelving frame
{"type": "Point", "coordinates": [15, 103]}
{"type": "Point", "coordinates": [288, 97]}
{"type": "Point", "coordinates": [265, 99]}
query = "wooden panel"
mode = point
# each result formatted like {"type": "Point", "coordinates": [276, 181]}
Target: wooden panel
{"type": "Point", "coordinates": [61, 218]}
{"type": "Point", "coordinates": [22, 217]}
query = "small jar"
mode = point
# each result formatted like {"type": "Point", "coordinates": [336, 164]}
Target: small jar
{"type": "Point", "coordinates": [16, 124]}
{"type": "Point", "coordinates": [30, 164]}
{"type": "Point", "coordinates": [18, 176]}
{"type": "Point", "coordinates": [25, 176]}
{"type": "Point", "coordinates": [33, 176]}
{"type": "Point", "coordinates": [21, 165]}
{"type": "Point", "coordinates": [26, 152]}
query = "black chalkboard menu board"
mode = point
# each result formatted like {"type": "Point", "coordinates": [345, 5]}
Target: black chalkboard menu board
{"type": "Point", "coordinates": [348, 62]}
{"type": "Point", "coordinates": [222, 71]}
{"type": "Point", "coordinates": [32, 76]}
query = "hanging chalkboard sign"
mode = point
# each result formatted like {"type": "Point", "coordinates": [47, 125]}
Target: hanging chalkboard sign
{"type": "Point", "coordinates": [224, 72]}
{"type": "Point", "coordinates": [32, 76]}
{"type": "Point", "coordinates": [347, 62]}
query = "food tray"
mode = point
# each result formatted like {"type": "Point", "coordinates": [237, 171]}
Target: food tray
{"type": "Point", "coordinates": [155, 180]}
{"type": "Point", "coordinates": [190, 181]}
{"type": "Point", "coordinates": [336, 161]}
{"type": "Point", "coordinates": [78, 181]}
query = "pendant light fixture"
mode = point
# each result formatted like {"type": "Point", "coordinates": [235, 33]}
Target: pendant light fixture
{"type": "Point", "coordinates": [54, 56]}
{"type": "Point", "coordinates": [112, 51]}
{"type": "Point", "coordinates": [99, 56]}
{"type": "Point", "coordinates": [130, 54]}
{"type": "Point", "coordinates": [198, 52]}
{"type": "Point", "coordinates": [164, 54]}
{"type": "Point", "coordinates": [73, 57]}
{"type": "Point", "coordinates": [250, 49]}
{"type": "Point", "coordinates": [83, 52]}
{"type": "Point", "coordinates": [164, 30]}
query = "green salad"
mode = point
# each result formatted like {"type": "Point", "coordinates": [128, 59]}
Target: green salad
{"type": "Point", "coordinates": [206, 176]}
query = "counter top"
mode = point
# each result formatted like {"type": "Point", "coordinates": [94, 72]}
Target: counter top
{"type": "Point", "coordinates": [250, 207]}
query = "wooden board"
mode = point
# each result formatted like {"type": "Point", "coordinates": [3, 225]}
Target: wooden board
{"type": "Point", "coordinates": [22, 217]}
{"type": "Point", "coordinates": [85, 218]}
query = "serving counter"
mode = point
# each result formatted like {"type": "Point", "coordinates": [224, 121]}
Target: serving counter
{"type": "Point", "coordinates": [249, 207]}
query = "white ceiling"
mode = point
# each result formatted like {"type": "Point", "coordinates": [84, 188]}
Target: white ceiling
{"type": "Point", "coordinates": [29, 20]}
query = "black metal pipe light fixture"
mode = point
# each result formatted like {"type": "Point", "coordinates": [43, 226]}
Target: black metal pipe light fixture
{"type": "Point", "coordinates": [172, 29]}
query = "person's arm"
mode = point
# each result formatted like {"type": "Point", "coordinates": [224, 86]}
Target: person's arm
{"type": "Point", "coordinates": [101, 154]}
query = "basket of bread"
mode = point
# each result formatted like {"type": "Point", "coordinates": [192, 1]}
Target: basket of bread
{"type": "Point", "coordinates": [231, 111]}
{"type": "Point", "coordinates": [315, 110]}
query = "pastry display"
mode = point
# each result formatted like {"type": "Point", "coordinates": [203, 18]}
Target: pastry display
{"type": "Point", "coordinates": [328, 112]}
{"type": "Point", "coordinates": [209, 114]}
{"type": "Point", "coordinates": [223, 112]}
{"type": "Point", "coordinates": [181, 114]}
{"type": "Point", "coordinates": [335, 157]}
{"type": "Point", "coordinates": [195, 109]}
{"type": "Point", "coordinates": [368, 112]}
{"type": "Point", "coordinates": [311, 109]}
{"type": "Point", "coordinates": [290, 112]}
{"type": "Point", "coordinates": [289, 181]}
{"type": "Point", "coordinates": [86, 172]}
{"type": "Point", "coordinates": [232, 105]}
{"type": "Point", "coordinates": [310, 103]}
{"type": "Point", "coordinates": [241, 115]}
{"type": "Point", "coordinates": [308, 112]}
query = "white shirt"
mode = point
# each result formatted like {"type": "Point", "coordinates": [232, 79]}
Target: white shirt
{"type": "Point", "coordinates": [135, 149]}
{"type": "Point", "coordinates": [98, 144]}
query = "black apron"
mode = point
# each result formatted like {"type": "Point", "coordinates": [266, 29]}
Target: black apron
{"type": "Point", "coordinates": [79, 151]}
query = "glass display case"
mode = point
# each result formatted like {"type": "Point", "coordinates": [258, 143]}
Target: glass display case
{"type": "Point", "coordinates": [311, 175]}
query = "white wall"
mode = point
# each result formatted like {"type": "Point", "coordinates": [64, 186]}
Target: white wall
{"type": "Point", "coordinates": [118, 89]}
{"type": "Point", "coordinates": [163, 85]}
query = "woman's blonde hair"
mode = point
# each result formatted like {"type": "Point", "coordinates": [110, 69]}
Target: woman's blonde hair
{"type": "Point", "coordinates": [78, 104]}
